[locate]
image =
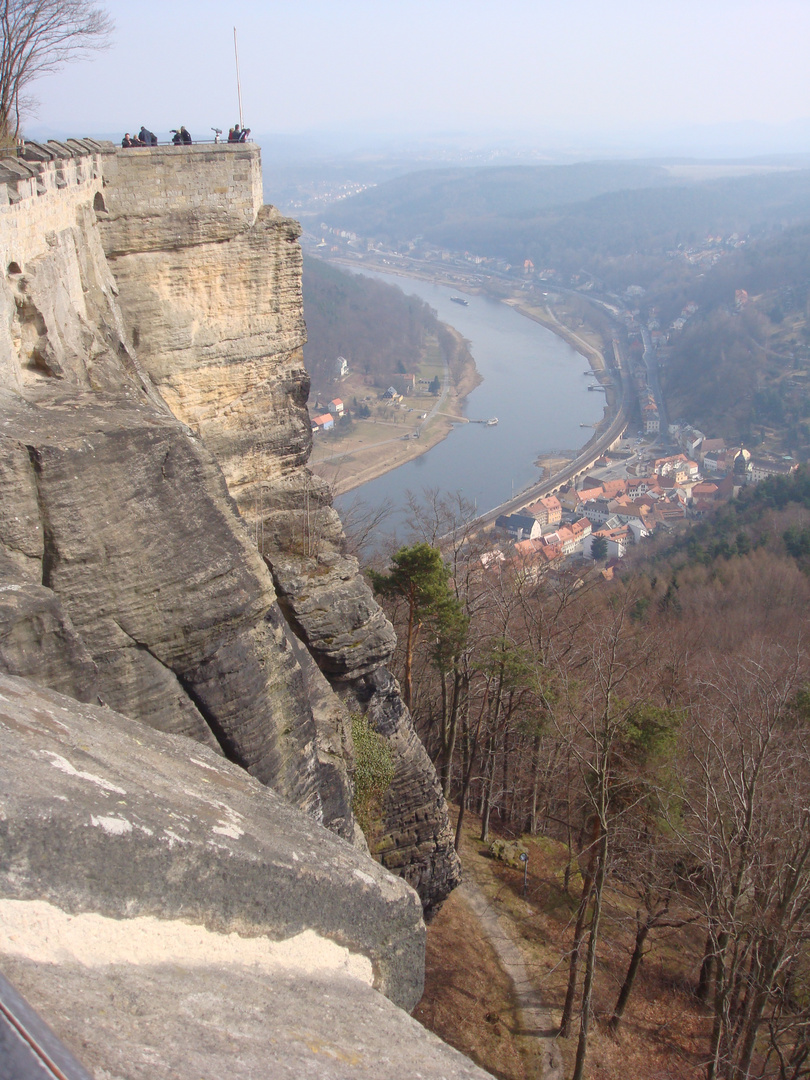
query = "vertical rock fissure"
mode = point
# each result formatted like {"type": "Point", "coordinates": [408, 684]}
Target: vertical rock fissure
{"type": "Point", "coordinates": [226, 743]}
{"type": "Point", "coordinates": [49, 555]}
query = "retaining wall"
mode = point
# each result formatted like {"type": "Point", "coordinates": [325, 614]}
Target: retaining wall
{"type": "Point", "coordinates": [206, 179]}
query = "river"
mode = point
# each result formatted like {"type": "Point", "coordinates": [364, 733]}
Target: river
{"type": "Point", "coordinates": [532, 381]}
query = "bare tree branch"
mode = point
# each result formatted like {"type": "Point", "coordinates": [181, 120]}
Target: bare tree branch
{"type": "Point", "coordinates": [39, 36]}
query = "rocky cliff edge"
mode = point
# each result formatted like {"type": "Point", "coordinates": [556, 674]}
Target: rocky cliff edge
{"type": "Point", "coordinates": [164, 553]}
{"type": "Point", "coordinates": [171, 916]}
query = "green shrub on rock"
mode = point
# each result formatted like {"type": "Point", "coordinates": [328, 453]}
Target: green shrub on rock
{"type": "Point", "coordinates": [373, 773]}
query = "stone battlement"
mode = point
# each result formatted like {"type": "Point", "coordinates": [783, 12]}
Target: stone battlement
{"type": "Point", "coordinates": [42, 191]}
{"type": "Point", "coordinates": [44, 187]}
{"type": "Point", "coordinates": [203, 179]}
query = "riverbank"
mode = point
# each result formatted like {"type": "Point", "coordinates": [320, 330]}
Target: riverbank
{"type": "Point", "coordinates": [375, 447]}
{"type": "Point", "coordinates": [379, 446]}
{"type": "Point", "coordinates": [546, 317]}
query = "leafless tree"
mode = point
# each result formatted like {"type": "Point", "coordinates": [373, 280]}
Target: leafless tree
{"type": "Point", "coordinates": [745, 821]}
{"type": "Point", "coordinates": [608, 680]}
{"type": "Point", "coordinates": [39, 36]}
{"type": "Point", "coordinates": [362, 525]}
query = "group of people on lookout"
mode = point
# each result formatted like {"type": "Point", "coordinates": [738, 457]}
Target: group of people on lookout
{"type": "Point", "coordinates": [180, 136]}
{"type": "Point", "coordinates": [143, 138]}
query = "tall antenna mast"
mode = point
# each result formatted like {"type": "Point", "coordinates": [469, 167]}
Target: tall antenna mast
{"type": "Point", "coordinates": [238, 84]}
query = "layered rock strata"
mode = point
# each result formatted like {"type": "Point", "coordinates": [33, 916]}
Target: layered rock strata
{"type": "Point", "coordinates": [126, 573]}
{"type": "Point", "coordinates": [216, 318]}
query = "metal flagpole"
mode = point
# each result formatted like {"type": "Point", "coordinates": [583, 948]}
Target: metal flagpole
{"type": "Point", "coordinates": [238, 85]}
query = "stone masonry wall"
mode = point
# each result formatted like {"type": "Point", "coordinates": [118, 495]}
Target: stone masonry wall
{"type": "Point", "coordinates": [54, 277]}
{"type": "Point", "coordinates": [43, 195]}
{"type": "Point", "coordinates": [208, 185]}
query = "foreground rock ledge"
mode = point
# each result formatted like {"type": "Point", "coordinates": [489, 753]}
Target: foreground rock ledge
{"type": "Point", "coordinates": [151, 1022]}
{"type": "Point", "coordinates": [101, 814]}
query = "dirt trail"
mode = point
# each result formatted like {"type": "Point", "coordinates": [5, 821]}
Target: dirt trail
{"type": "Point", "coordinates": [536, 1019]}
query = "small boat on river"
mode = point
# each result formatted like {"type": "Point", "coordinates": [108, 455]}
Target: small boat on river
{"type": "Point", "coordinates": [460, 300]}
{"type": "Point", "coordinates": [493, 420]}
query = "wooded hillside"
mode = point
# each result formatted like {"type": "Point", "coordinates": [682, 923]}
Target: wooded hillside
{"type": "Point", "coordinates": [657, 728]}
{"type": "Point", "coordinates": [374, 325]}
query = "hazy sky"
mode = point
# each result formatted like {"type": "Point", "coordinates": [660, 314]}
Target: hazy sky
{"type": "Point", "coordinates": [439, 65]}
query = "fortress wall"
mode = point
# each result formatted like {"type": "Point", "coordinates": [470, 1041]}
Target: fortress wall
{"type": "Point", "coordinates": [42, 196]}
{"type": "Point", "coordinates": [202, 179]}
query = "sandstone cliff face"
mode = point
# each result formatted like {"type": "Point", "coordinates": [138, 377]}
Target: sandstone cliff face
{"type": "Point", "coordinates": [150, 342]}
{"type": "Point", "coordinates": [216, 319]}
{"type": "Point", "coordinates": [209, 284]}
{"type": "Point", "coordinates": [126, 573]}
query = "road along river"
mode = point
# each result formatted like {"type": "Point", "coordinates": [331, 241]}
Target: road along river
{"type": "Point", "coordinates": [533, 382]}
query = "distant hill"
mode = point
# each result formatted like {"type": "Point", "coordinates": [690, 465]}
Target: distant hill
{"type": "Point", "coordinates": [739, 373]}
{"type": "Point", "coordinates": [423, 202]}
{"type": "Point", "coordinates": [568, 217]}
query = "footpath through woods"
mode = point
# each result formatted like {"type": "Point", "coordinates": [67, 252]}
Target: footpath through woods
{"type": "Point", "coordinates": [535, 1019]}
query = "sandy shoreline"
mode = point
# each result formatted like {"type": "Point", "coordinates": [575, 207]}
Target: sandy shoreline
{"type": "Point", "coordinates": [350, 469]}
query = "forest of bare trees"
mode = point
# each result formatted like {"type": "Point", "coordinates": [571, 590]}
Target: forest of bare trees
{"type": "Point", "coordinates": [658, 726]}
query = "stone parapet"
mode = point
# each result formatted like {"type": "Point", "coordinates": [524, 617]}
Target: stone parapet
{"type": "Point", "coordinates": [209, 178]}
{"type": "Point", "coordinates": [42, 191]}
